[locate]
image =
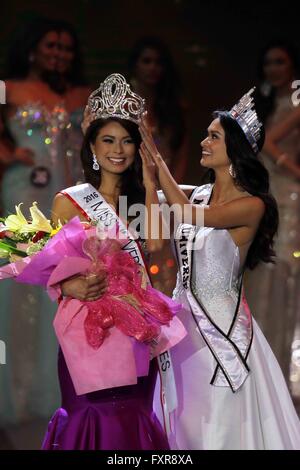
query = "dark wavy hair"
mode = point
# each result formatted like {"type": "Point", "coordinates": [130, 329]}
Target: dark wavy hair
{"type": "Point", "coordinates": [264, 103]}
{"type": "Point", "coordinates": [252, 177]}
{"type": "Point", "coordinates": [167, 106]}
{"type": "Point", "coordinates": [75, 76]}
{"type": "Point", "coordinates": [25, 42]}
{"type": "Point", "coordinates": [132, 179]}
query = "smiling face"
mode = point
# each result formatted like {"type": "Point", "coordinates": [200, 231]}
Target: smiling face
{"type": "Point", "coordinates": [149, 69]}
{"type": "Point", "coordinates": [46, 52]}
{"type": "Point", "coordinates": [278, 67]}
{"type": "Point", "coordinates": [214, 152]}
{"type": "Point", "coordinates": [66, 52]}
{"type": "Point", "coordinates": [114, 148]}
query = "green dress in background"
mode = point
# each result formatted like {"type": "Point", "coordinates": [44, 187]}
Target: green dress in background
{"type": "Point", "coordinates": [28, 380]}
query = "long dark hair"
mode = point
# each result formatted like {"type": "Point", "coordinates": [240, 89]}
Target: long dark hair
{"type": "Point", "coordinates": [132, 179]}
{"type": "Point", "coordinates": [75, 75]}
{"type": "Point", "coordinates": [6, 135]}
{"type": "Point", "coordinates": [252, 177]}
{"type": "Point", "coordinates": [265, 101]}
{"type": "Point", "coordinates": [25, 41]}
{"type": "Point", "coordinates": [167, 106]}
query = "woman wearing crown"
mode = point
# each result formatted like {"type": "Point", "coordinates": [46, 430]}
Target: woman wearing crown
{"type": "Point", "coordinates": [120, 417]}
{"type": "Point", "coordinates": [231, 391]}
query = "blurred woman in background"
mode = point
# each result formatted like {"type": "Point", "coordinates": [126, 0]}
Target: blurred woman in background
{"type": "Point", "coordinates": [272, 289]}
{"type": "Point", "coordinates": [46, 93]}
{"type": "Point", "coordinates": [155, 78]}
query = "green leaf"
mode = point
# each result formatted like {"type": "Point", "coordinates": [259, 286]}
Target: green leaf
{"type": "Point", "coordinates": [11, 249]}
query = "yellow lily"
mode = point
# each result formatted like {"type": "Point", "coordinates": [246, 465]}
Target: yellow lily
{"type": "Point", "coordinates": [15, 222]}
{"type": "Point", "coordinates": [56, 229]}
{"type": "Point", "coordinates": [39, 222]}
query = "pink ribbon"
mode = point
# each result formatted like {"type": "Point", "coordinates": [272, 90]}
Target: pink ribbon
{"type": "Point", "coordinates": [136, 310]}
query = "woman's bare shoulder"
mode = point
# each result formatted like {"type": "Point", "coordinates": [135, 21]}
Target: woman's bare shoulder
{"type": "Point", "coordinates": [63, 209]}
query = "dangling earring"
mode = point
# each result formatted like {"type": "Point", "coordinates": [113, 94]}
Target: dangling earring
{"type": "Point", "coordinates": [266, 89]}
{"type": "Point", "coordinates": [96, 165]}
{"type": "Point", "coordinates": [231, 171]}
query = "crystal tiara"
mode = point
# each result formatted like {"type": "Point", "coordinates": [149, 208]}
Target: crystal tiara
{"type": "Point", "coordinates": [245, 115]}
{"type": "Point", "coordinates": [114, 98]}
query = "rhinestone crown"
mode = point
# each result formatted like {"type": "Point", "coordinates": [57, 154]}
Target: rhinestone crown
{"type": "Point", "coordinates": [245, 115]}
{"type": "Point", "coordinates": [114, 98]}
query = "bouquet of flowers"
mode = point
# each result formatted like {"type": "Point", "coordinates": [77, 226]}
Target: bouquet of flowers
{"type": "Point", "coordinates": [20, 238]}
{"type": "Point", "coordinates": [107, 342]}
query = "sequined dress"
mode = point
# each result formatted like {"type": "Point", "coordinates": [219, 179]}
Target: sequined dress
{"type": "Point", "coordinates": [260, 414]}
{"type": "Point", "coordinates": [273, 290]}
{"type": "Point", "coordinates": [28, 383]}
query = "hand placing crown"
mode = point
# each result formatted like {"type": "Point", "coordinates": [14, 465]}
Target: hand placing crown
{"type": "Point", "coordinates": [114, 98]}
{"type": "Point", "coordinates": [245, 115]}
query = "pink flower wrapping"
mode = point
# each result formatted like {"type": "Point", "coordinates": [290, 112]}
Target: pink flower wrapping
{"type": "Point", "coordinates": [109, 342]}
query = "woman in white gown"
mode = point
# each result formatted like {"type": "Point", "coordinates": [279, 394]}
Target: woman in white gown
{"type": "Point", "coordinates": [231, 391]}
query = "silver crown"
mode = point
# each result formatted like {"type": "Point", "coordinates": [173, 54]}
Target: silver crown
{"type": "Point", "coordinates": [114, 98]}
{"type": "Point", "coordinates": [245, 115]}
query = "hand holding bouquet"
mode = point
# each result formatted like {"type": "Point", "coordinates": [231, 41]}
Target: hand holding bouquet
{"type": "Point", "coordinates": [130, 322]}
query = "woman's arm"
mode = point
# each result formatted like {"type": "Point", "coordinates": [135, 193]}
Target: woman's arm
{"type": "Point", "coordinates": [6, 153]}
{"type": "Point", "coordinates": [157, 230]}
{"type": "Point", "coordinates": [9, 153]}
{"type": "Point", "coordinates": [278, 132]}
{"type": "Point", "coordinates": [153, 216]}
{"type": "Point", "coordinates": [245, 211]}
{"type": "Point", "coordinates": [62, 210]}
{"type": "Point", "coordinates": [241, 212]}
{"type": "Point", "coordinates": [82, 287]}
{"type": "Point", "coordinates": [186, 188]}
{"type": "Point", "coordinates": [285, 126]}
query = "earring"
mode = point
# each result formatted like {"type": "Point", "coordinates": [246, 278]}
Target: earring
{"type": "Point", "coordinates": [266, 89]}
{"type": "Point", "coordinates": [96, 165]}
{"type": "Point", "coordinates": [231, 171]}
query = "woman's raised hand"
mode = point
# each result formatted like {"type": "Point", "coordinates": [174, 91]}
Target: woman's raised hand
{"type": "Point", "coordinates": [88, 117]}
{"type": "Point", "coordinates": [148, 146]}
{"type": "Point", "coordinates": [149, 167]}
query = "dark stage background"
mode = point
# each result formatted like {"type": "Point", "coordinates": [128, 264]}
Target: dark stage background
{"type": "Point", "coordinates": [215, 44]}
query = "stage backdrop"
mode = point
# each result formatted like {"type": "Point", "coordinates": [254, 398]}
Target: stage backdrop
{"type": "Point", "coordinates": [215, 43]}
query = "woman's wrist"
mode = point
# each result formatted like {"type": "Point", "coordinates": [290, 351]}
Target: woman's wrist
{"type": "Point", "coordinates": [61, 287]}
{"type": "Point", "coordinates": [281, 159]}
{"type": "Point", "coordinates": [151, 186]}
{"type": "Point", "coordinates": [284, 161]}
{"type": "Point", "coordinates": [162, 167]}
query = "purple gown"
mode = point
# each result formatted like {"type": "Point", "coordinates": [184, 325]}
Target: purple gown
{"type": "Point", "coordinates": [120, 418]}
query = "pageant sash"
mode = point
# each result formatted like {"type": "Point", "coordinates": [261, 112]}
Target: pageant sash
{"type": "Point", "coordinates": [231, 349]}
{"type": "Point", "coordinates": [93, 206]}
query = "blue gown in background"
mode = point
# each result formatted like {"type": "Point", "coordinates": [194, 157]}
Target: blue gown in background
{"type": "Point", "coordinates": [28, 381]}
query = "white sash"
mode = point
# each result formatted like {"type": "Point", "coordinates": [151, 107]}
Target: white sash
{"type": "Point", "coordinates": [231, 349]}
{"type": "Point", "coordinates": [92, 204]}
